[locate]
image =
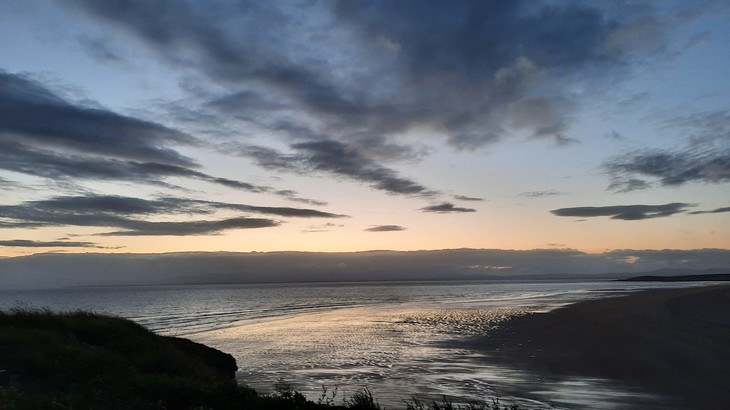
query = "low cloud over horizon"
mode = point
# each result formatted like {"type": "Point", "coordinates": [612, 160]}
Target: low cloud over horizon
{"type": "Point", "coordinates": [41, 270]}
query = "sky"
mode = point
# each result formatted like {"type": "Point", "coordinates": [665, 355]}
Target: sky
{"type": "Point", "coordinates": [338, 126]}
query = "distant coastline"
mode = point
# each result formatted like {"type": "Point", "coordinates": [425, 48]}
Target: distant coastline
{"type": "Point", "coordinates": [717, 277]}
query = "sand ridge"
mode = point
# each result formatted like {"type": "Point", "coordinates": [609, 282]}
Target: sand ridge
{"type": "Point", "coordinates": [673, 342]}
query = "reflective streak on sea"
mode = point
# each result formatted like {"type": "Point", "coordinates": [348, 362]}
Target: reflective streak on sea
{"type": "Point", "coordinates": [397, 339]}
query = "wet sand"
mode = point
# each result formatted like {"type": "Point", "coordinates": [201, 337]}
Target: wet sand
{"type": "Point", "coordinates": [671, 342]}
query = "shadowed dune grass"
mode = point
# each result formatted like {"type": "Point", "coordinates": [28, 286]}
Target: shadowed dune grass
{"type": "Point", "coordinates": [84, 360]}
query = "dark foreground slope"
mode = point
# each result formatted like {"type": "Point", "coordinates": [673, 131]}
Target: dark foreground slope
{"type": "Point", "coordinates": [88, 361]}
{"type": "Point", "coordinates": [673, 342]}
{"type": "Point", "coordinates": [83, 360]}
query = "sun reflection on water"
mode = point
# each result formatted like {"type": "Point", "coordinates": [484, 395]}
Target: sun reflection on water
{"type": "Point", "coordinates": [397, 352]}
{"type": "Point", "coordinates": [385, 349]}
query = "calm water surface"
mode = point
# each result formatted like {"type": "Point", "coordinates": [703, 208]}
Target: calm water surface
{"type": "Point", "coordinates": [395, 338]}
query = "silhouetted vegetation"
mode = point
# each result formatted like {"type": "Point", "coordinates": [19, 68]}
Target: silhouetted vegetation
{"type": "Point", "coordinates": [84, 360]}
{"type": "Point", "coordinates": [447, 404]}
{"type": "Point", "coordinates": [363, 400]}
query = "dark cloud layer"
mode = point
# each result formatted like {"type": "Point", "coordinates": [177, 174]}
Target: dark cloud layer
{"type": "Point", "coordinates": [714, 211]}
{"type": "Point", "coordinates": [446, 207]}
{"type": "Point", "coordinates": [540, 194]}
{"type": "Point", "coordinates": [669, 168]}
{"type": "Point", "coordinates": [126, 213]}
{"type": "Point", "coordinates": [59, 166]}
{"type": "Point", "coordinates": [41, 270]}
{"type": "Point", "coordinates": [32, 114]}
{"type": "Point", "coordinates": [468, 198]}
{"type": "Point", "coordinates": [386, 228]}
{"type": "Point", "coordinates": [625, 212]}
{"type": "Point", "coordinates": [705, 158]}
{"type": "Point", "coordinates": [148, 228]}
{"type": "Point", "coordinates": [24, 243]}
{"type": "Point", "coordinates": [468, 37]}
{"type": "Point", "coordinates": [459, 52]}
{"type": "Point", "coordinates": [338, 159]}
{"type": "Point", "coordinates": [137, 206]}
{"type": "Point", "coordinates": [45, 135]}
{"type": "Point", "coordinates": [344, 81]}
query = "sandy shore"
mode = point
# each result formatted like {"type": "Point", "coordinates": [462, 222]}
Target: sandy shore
{"type": "Point", "coordinates": [672, 342]}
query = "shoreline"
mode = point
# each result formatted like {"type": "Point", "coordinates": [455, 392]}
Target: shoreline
{"type": "Point", "coordinates": [670, 342]}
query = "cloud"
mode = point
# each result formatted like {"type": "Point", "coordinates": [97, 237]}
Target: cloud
{"type": "Point", "coordinates": [6, 184]}
{"type": "Point", "coordinates": [705, 158]}
{"type": "Point", "coordinates": [279, 211]}
{"type": "Point", "coordinates": [625, 212]}
{"type": "Point", "coordinates": [714, 211]}
{"type": "Point", "coordinates": [338, 159]}
{"type": "Point", "coordinates": [541, 194]}
{"type": "Point", "coordinates": [468, 198]}
{"type": "Point", "coordinates": [126, 213]}
{"type": "Point", "coordinates": [129, 206]}
{"type": "Point", "coordinates": [386, 228]}
{"type": "Point", "coordinates": [704, 130]}
{"type": "Point", "coordinates": [462, 37]}
{"type": "Point", "coordinates": [73, 141]}
{"type": "Point", "coordinates": [112, 204]}
{"type": "Point", "coordinates": [187, 204]}
{"type": "Point", "coordinates": [346, 85]}
{"type": "Point", "coordinates": [148, 228]}
{"type": "Point", "coordinates": [446, 207]}
{"type": "Point", "coordinates": [117, 212]}
{"type": "Point", "coordinates": [81, 129]}
{"type": "Point", "coordinates": [628, 184]}
{"type": "Point", "coordinates": [46, 244]}
{"type": "Point", "coordinates": [99, 49]}
{"type": "Point", "coordinates": [671, 258]}
{"type": "Point", "coordinates": [366, 74]}
{"type": "Point", "coordinates": [293, 196]}
{"type": "Point", "coordinates": [670, 168]}
{"type": "Point", "coordinates": [542, 117]}
{"type": "Point", "coordinates": [699, 38]}
{"type": "Point", "coordinates": [326, 227]}
{"type": "Point", "coordinates": [58, 166]}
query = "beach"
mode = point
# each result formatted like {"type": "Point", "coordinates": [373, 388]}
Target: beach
{"type": "Point", "coordinates": [409, 338]}
{"type": "Point", "coordinates": [674, 343]}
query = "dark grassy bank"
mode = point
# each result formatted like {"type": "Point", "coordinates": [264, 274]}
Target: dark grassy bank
{"type": "Point", "coordinates": [83, 360]}
{"type": "Point", "coordinates": [88, 361]}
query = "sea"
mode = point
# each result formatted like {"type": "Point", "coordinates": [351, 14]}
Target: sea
{"type": "Point", "coordinates": [398, 339]}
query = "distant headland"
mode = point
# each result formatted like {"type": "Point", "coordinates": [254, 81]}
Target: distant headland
{"type": "Point", "coordinates": [715, 277]}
